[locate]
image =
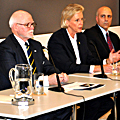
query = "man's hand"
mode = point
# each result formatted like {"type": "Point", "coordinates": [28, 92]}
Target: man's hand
{"type": "Point", "coordinates": [113, 57]}
{"type": "Point", "coordinates": [107, 68]}
{"type": "Point", "coordinates": [63, 77]}
{"type": "Point", "coordinates": [52, 79]}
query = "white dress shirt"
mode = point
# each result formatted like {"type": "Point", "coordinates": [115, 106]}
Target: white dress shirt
{"type": "Point", "coordinates": [75, 47]}
{"type": "Point", "coordinates": [22, 44]}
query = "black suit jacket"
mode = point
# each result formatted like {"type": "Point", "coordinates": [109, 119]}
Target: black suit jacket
{"type": "Point", "coordinates": [61, 50]}
{"type": "Point", "coordinates": [95, 35]}
{"type": "Point", "coordinates": [11, 53]}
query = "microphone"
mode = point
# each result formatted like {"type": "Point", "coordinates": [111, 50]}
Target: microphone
{"type": "Point", "coordinates": [59, 88]}
{"type": "Point", "coordinates": [103, 75]}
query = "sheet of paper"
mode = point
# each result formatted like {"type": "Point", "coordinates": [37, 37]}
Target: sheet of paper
{"type": "Point", "coordinates": [81, 86]}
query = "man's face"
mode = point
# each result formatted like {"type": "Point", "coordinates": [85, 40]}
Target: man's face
{"type": "Point", "coordinates": [25, 27]}
{"type": "Point", "coordinates": [104, 17]}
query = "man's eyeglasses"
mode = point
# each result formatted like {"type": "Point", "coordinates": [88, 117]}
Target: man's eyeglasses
{"type": "Point", "coordinates": [28, 24]}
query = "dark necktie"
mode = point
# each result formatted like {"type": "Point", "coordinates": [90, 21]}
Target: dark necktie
{"type": "Point", "coordinates": [109, 42]}
{"type": "Point", "coordinates": [30, 56]}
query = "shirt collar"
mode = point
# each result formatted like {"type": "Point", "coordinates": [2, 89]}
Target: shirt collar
{"type": "Point", "coordinates": [75, 36]}
{"type": "Point", "coordinates": [103, 31]}
{"type": "Point", "coordinates": [21, 42]}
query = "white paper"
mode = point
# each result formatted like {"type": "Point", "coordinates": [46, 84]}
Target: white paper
{"type": "Point", "coordinates": [79, 86]}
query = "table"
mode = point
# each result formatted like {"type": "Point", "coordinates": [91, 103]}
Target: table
{"type": "Point", "coordinates": [110, 78]}
{"type": "Point", "coordinates": [43, 104]}
{"type": "Point", "coordinates": [54, 100]}
{"type": "Point", "coordinates": [110, 86]}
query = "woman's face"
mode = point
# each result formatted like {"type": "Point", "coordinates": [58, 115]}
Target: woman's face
{"type": "Point", "coordinates": [75, 24]}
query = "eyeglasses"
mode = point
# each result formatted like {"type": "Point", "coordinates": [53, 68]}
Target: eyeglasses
{"type": "Point", "coordinates": [28, 24]}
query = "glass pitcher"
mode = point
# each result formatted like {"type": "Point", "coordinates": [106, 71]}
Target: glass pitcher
{"type": "Point", "coordinates": [21, 81]}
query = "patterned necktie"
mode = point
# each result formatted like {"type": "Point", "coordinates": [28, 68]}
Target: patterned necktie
{"type": "Point", "coordinates": [109, 42]}
{"type": "Point", "coordinates": [30, 56]}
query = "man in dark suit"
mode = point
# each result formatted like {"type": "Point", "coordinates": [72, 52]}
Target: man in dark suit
{"type": "Point", "coordinates": [13, 51]}
{"type": "Point", "coordinates": [97, 35]}
{"type": "Point", "coordinates": [70, 53]}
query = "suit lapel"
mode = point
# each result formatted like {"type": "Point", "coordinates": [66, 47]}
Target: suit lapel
{"type": "Point", "coordinates": [34, 50]}
{"type": "Point", "coordinates": [80, 46]}
{"type": "Point", "coordinates": [19, 48]}
{"type": "Point", "coordinates": [113, 41]}
{"type": "Point", "coordinates": [101, 36]}
{"type": "Point", "coordinates": [68, 42]}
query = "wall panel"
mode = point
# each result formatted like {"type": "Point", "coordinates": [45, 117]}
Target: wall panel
{"type": "Point", "coordinates": [46, 13]}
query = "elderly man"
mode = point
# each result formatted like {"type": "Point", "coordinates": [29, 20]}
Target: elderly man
{"type": "Point", "coordinates": [13, 51]}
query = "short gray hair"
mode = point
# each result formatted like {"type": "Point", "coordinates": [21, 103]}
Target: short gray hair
{"type": "Point", "coordinates": [11, 21]}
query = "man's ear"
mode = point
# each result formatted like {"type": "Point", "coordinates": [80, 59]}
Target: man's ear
{"type": "Point", "coordinates": [15, 26]}
{"type": "Point", "coordinates": [97, 19]}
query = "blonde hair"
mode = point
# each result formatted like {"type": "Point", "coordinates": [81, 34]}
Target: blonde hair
{"type": "Point", "coordinates": [68, 12]}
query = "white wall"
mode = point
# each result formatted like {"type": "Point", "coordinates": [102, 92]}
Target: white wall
{"type": "Point", "coordinates": [115, 29]}
{"type": "Point", "coordinates": [43, 38]}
